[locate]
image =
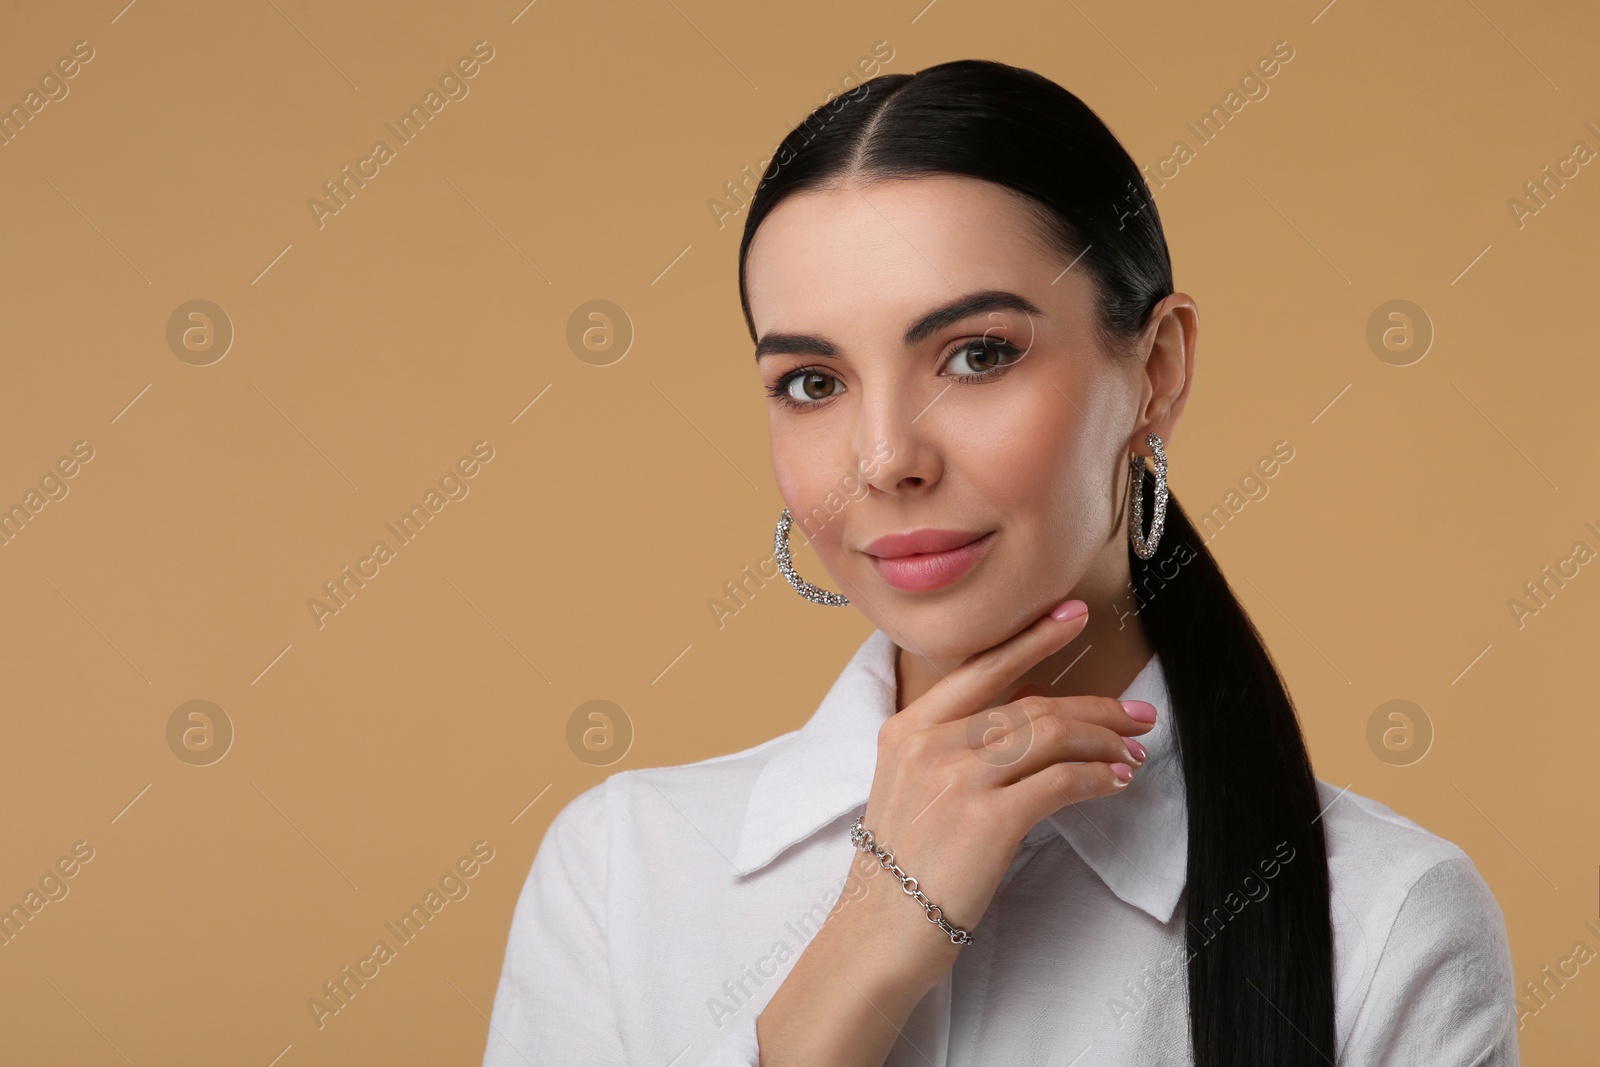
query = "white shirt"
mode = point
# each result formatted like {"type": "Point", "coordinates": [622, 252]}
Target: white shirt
{"type": "Point", "coordinates": [666, 905]}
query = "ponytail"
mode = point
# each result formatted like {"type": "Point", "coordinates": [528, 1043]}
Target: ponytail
{"type": "Point", "coordinates": [1260, 987]}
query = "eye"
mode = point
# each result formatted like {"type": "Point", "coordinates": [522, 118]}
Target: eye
{"type": "Point", "coordinates": [805, 387]}
{"type": "Point", "coordinates": [986, 355]}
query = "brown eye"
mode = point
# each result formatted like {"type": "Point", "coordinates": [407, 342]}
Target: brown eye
{"type": "Point", "coordinates": [983, 355]}
{"type": "Point", "coordinates": [804, 387]}
{"type": "Point", "coordinates": [815, 386]}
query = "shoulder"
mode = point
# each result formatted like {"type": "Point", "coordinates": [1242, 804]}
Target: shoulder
{"type": "Point", "coordinates": [654, 808]}
{"type": "Point", "coordinates": [1378, 858]}
{"type": "Point", "coordinates": [1415, 926]}
{"type": "Point", "coordinates": [1369, 842]}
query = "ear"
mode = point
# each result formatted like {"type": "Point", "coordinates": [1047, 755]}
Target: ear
{"type": "Point", "coordinates": [1169, 342]}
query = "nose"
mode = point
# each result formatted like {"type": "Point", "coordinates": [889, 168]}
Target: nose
{"type": "Point", "coordinates": [893, 441]}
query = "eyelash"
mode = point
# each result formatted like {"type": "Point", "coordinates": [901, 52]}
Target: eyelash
{"type": "Point", "coordinates": [779, 390]}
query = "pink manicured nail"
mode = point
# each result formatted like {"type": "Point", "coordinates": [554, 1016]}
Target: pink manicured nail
{"type": "Point", "coordinates": [1140, 710]}
{"type": "Point", "coordinates": [1068, 609]}
{"type": "Point", "coordinates": [1136, 748]}
{"type": "Point", "coordinates": [1123, 772]}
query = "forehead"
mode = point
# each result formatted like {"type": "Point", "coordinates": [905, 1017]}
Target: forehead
{"type": "Point", "coordinates": [861, 260]}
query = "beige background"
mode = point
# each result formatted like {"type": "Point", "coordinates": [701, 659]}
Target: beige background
{"type": "Point", "coordinates": [371, 352]}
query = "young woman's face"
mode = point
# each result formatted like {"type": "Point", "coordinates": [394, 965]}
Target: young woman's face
{"type": "Point", "coordinates": [1006, 420]}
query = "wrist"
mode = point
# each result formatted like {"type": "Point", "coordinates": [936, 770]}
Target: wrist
{"type": "Point", "coordinates": [886, 936]}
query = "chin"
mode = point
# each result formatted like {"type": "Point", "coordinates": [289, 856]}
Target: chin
{"type": "Point", "coordinates": [952, 627]}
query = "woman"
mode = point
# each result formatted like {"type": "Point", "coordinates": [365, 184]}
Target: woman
{"type": "Point", "coordinates": [964, 318]}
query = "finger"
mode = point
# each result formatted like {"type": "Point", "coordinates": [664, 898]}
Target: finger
{"type": "Point", "coordinates": [1018, 743]}
{"type": "Point", "coordinates": [1109, 712]}
{"type": "Point", "coordinates": [1004, 735]}
{"type": "Point", "coordinates": [1028, 690]}
{"type": "Point", "coordinates": [979, 680]}
{"type": "Point", "coordinates": [1052, 788]}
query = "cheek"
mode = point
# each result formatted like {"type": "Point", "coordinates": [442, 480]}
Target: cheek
{"type": "Point", "coordinates": [1032, 459]}
{"type": "Point", "coordinates": [1048, 474]}
{"type": "Point", "coordinates": [805, 478]}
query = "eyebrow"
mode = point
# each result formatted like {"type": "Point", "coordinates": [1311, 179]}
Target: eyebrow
{"type": "Point", "coordinates": [961, 308]}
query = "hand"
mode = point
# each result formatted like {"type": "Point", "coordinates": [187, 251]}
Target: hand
{"type": "Point", "coordinates": [960, 781]}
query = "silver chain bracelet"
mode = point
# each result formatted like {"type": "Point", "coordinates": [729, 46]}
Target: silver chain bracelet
{"type": "Point", "coordinates": [861, 837]}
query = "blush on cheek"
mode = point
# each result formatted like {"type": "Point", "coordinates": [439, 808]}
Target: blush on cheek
{"type": "Point", "coordinates": [816, 497]}
{"type": "Point", "coordinates": [1028, 457]}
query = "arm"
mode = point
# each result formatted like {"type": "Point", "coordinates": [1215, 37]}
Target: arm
{"type": "Point", "coordinates": [554, 1003]}
{"type": "Point", "coordinates": [1443, 991]}
{"type": "Point", "coordinates": [850, 993]}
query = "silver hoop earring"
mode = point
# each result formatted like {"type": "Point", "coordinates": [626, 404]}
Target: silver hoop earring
{"type": "Point", "coordinates": [780, 545]}
{"type": "Point", "coordinates": [1144, 547]}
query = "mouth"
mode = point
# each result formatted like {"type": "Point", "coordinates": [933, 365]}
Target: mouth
{"type": "Point", "coordinates": [928, 559]}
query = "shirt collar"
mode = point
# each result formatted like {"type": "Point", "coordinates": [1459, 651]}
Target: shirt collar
{"type": "Point", "coordinates": [1136, 841]}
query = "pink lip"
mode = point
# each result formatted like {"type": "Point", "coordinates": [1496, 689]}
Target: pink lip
{"type": "Point", "coordinates": [893, 546]}
{"type": "Point", "coordinates": [928, 559]}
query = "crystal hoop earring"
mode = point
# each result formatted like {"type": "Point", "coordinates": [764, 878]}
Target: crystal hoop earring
{"type": "Point", "coordinates": [780, 545]}
{"type": "Point", "coordinates": [1144, 547]}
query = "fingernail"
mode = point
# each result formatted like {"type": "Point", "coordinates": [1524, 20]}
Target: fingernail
{"type": "Point", "coordinates": [1068, 609]}
{"type": "Point", "coordinates": [1136, 749]}
{"type": "Point", "coordinates": [1140, 710]}
{"type": "Point", "coordinates": [1123, 772]}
